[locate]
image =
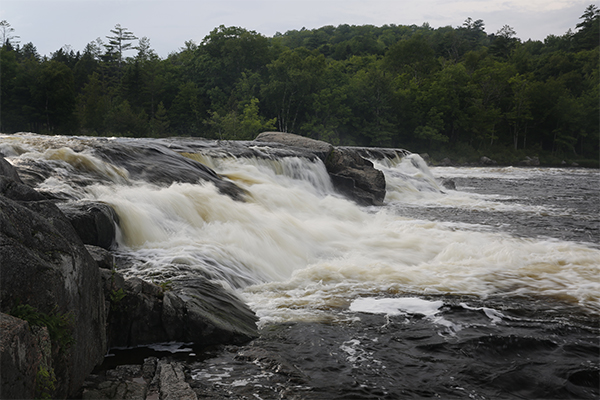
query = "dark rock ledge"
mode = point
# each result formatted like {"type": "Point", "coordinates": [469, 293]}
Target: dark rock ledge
{"type": "Point", "coordinates": [63, 304]}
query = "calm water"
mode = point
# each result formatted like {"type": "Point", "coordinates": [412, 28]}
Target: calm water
{"type": "Point", "coordinates": [489, 291]}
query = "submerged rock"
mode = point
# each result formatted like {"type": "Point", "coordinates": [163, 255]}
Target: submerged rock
{"type": "Point", "coordinates": [449, 183]}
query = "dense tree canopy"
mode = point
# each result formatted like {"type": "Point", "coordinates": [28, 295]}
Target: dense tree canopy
{"type": "Point", "coordinates": [414, 87]}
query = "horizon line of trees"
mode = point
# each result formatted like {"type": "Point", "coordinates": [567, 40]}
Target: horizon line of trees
{"type": "Point", "coordinates": [392, 86]}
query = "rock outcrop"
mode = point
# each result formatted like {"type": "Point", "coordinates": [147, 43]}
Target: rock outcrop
{"type": "Point", "coordinates": [68, 303]}
{"type": "Point", "coordinates": [351, 173]}
{"type": "Point", "coordinates": [318, 147]}
{"type": "Point", "coordinates": [21, 357]}
{"type": "Point", "coordinates": [153, 380]}
{"type": "Point", "coordinates": [47, 269]}
{"type": "Point", "coordinates": [196, 311]}
{"type": "Point", "coordinates": [356, 177]}
{"type": "Point", "coordinates": [95, 223]}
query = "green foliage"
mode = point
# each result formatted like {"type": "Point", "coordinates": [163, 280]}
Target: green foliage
{"type": "Point", "coordinates": [60, 326]}
{"type": "Point", "coordinates": [415, 87]}
{"type": "Point", "coordinates": [165, 285]}
{"type": "Point", "coordinates": [45, 383]}
{"type": "Point", "coordinates": [117, 295]}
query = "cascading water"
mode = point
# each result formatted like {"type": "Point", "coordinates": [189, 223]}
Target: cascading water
{"type": "Point", "coordinates": [426, 277]}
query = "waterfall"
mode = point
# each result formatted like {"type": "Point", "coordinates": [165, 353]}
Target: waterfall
{"type": "Point", "coordinates": [294, 247]}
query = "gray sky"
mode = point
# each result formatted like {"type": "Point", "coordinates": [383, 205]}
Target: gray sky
{"type": "Point", "coordinates": [51, 24]}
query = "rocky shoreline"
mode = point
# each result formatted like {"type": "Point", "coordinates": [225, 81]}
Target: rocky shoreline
{"type": "Point", "coordinates": [59, 278]}
{"type": "Point", "coordinates": [64, 303]}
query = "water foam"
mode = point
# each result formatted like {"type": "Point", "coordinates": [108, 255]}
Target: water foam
{"type": "Point", "coordinates": [299, 251]}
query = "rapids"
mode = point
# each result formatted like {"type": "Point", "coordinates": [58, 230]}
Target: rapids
{"type": "Point", "coordinates": [510, 252]}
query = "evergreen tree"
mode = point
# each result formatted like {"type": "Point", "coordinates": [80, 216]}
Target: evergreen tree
{"type": "Point", "coordinates": [120, 42]}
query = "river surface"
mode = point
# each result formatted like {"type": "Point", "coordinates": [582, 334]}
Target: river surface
{"type": "Point", "coordinates": [489, 290]}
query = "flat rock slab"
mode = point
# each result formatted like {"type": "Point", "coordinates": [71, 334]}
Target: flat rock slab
{"type": "Point", "coordinates": [318, 147]}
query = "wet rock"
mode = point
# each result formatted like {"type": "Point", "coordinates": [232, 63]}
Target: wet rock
{"type": "Point", "coordinates": [196, 311]}
{"type": "Point", "coordinates": [356, 177]}
{"type": "Point", "coordinates": [318, 147]}
{"type": "Point", "coordinates": [173, 385]}
{"type": "Point", "coordinates": [204, 313]}
{"type": "Point", "coordinates": [446, 162]}
{"type": "Point", "coordinates": [45, 265]}
{"type": "Point", "coordinates": [17, 191]}
{"type": "Point", "coordinates": [123, 382]}
{"type": "Point", "coordinates": [449, 184]}
{"type": "Point", "coordinates": [95, 223]}
{"type": "Point", "coordinates": [104, 258]}
{"type": "Point", "coordinates": [134, 311]}
{"type": "Point", "coordinates": [154, 380]}
{"type": "Point", "coordinates": [12, 187]}
{"type": "Point", "coordinates": [158, 164]}
{"type": "Point", "coordinates": [7, 170]}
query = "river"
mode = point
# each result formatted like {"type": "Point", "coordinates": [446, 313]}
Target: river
{"type": "Point", "coordinates": [488, 290]}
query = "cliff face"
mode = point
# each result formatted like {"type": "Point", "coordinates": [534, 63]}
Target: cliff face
{"type": "Point", "coordinates": [48, 277]}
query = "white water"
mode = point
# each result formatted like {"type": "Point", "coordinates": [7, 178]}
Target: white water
{"type": "Point", "coordinates": [295, 250]}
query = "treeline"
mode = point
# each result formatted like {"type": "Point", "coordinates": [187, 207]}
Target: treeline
{"type": "Point", "coordinates": [395, 86]}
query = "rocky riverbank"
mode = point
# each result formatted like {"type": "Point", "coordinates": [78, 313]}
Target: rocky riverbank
{"type": "Point", "coordinates": [64, 303]}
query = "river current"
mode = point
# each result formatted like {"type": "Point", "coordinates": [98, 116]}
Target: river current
{"type": "Point", "coordinates": [488, 290]}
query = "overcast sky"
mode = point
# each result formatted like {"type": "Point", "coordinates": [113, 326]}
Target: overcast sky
{"type": "Point", "coordinates": [52, 24]}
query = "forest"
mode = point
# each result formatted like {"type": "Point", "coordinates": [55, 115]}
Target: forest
{"type": "Point", "coordinates": [450, 91]}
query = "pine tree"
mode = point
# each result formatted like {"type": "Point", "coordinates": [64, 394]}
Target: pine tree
{"type": "Point", "coordinates": [119, 43]}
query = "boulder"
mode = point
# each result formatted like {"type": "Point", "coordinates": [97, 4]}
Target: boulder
{"type": "Point", "coordinates": [12, 187]}
{"type": "Point", "coordinates": [318, 147]}
{"type": "Point", "coordinates": [135, 309]}
{"type": "Point", "coordinates": [95, 223]}
{"type": "Point", "coordinates": [356, 177]}
{"type": "Point", "coordinates": [154, 379]}
{"type": "Point", "coordinates": [449, 183]}
{"type": "Point", "coordinates": [18, 191]}
{"type": "Point", "coordinates": [173, 385]}
{"type": "Point", "coordinates": [7, 170]}
{"type": "Point", "coordinates": [205, 313]}
{"type": "Point", "coordinates": [446, 162]}
{"type": "Point", "coordinates": [530, 161]}
{"type": "Point", "coordinates": [45, 265]}
{"type": "Point", "coordinates": [104, 258]}
{"type": "Point", "coordinates": [487, 161]}
{"type": "Point", "coordinates": [195, 310]}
